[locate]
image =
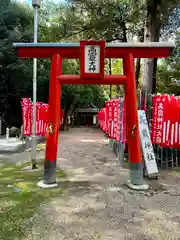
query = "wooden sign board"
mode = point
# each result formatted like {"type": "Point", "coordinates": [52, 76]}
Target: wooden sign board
{"type": "Point", "coordinates": [146, 144]}
{"type": "Point", "coordinates": [92, 59]}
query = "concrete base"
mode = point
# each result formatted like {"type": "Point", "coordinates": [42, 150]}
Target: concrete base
{"type": "Point", "coordinates": [41, 184]}
{"type": "Point", "coordinates": [142, 187]}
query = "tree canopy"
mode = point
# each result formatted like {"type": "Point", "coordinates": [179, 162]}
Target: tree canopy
{"type": "Point", "coordinates": [114, 21]}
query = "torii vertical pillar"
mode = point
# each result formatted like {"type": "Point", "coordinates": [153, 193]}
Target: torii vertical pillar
{"type": "Point", "coordinates": [135, 160]}
{"type": "Point", "coordinates": [54, 121]}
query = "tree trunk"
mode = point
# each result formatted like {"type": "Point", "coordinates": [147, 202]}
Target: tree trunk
{"type": "Point", "coordinates": [138, 61]}
{"type": "Point", "coordinates": [117, 91]}
{"type": "Point", "coordinates": [138, 68]}
{"type": "Point", "coordinates": [66, 115]}
{"type": "Point", "coordinates": [124, 31]}
{"type": "Point", "coordinates": [154, 75]}
{"type": "Point", "coordinates": [152, 34]}
{"type": "Point", "coordinates": [156, 28]}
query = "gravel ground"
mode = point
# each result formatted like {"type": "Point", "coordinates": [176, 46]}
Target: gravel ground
{"type": "Point", "coordinates": [97, 205]}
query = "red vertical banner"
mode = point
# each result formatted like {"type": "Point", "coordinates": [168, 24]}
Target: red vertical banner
{"type": "Point", "coordinates": [176, 123]}
{"type": "Point", "coordinates": [154, 120]}
{"type": "Point", "coordinates": [110, 118]}
{"type": "Point", "coordinates": [116, 117]}
{"type": "Point", "coordinates": [165, 122]}
{"type": "Point", "coordinates": [41, 117]}
{"type": "Point", "coordinates": [101, 118]}
{"type": "Point", "coordinates": [106, 117]}
{"type": "Point", "coordinates": [168, 121]}
{"type": "Point", "coordinates": [118, 121]}
{"type": "Point", "coordinates": [30, 119]}
{"type": "Point", "coordinates": [104, 120]}
{"type": "Point", "coordinates": [157, 119]}
{"type": "Point", "coordinates": [26, 105]}
{"type": "Point", "coordinates": [173, 119]}
{"type": "Point", "coordinates": [178, 145]}
{"type": "Point", "coordinates": [45, 119]}
{"type": "Point", "coordinates": [38, 108]}
{"type": "Point", "coordinates": [113, 119]}
{"type": "Point", "coordinates": [124, 124]}
{"type": "Point", "coordinates": [121, 120]}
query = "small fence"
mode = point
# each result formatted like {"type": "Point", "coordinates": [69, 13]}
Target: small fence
{"type": "Point", "coordinates": [163, 113]}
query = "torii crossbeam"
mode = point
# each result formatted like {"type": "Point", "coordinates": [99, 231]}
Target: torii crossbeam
{"type": "Point", "coordinates": [92, 55]}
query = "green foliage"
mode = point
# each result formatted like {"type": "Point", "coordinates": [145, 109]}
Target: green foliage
{"type": "Point", "coordinates": [168, 75]}
{"type": "Point", "coordinates": [102, 19]}
{"type": "Point", "coordinates": [81, 19]}
{"type": "Point", "coordinates": [166, 83]}
{"type": "Point", "coordinates": [16, 25]}
{"type": "Point", "coordinates": [116, 69]}
{"type": "Point", "coordinates": [16, 74]}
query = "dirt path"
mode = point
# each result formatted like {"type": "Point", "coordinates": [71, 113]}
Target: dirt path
{"type": "Point", "coordinates": [96, 205]}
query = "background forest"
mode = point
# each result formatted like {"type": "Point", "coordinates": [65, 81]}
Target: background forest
{"type": "Point", "coordinates": [112, 20]}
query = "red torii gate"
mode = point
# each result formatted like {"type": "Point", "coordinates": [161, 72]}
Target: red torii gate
{"type": "Point", "coordinates": [92, 55]}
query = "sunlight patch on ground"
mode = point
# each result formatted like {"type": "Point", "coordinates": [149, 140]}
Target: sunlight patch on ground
{"type": "Point", "coordinates": [93, 140]}
{"type": "Point", "coordinates": [88, 140]}
{"type": "Point", "coordinates": [41, 146]}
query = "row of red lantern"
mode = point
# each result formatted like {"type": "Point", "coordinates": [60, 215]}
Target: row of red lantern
{"type": "Point", "coordinates": [41, 117]}
{"type": "Point", "coordinates": [166, 121]}
{"type": "Point", "coordinates": [112, 120]}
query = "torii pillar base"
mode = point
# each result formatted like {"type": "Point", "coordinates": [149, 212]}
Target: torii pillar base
{"type": "Point", "coordinates": [142, 187]}
{"type": "Point", "coordinates": [41, 184]}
